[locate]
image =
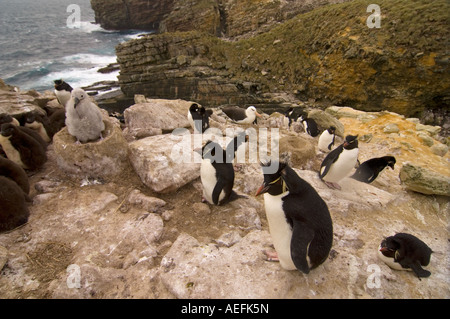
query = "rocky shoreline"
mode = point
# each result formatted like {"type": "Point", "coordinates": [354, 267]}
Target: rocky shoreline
{"type": "Point", "coordinates": [142, 231]}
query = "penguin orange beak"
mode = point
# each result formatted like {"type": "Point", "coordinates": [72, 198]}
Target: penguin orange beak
{"type": "Point", "coordinates": [262, 189]}
{"type": "Point", "coordinates": [384, 249]}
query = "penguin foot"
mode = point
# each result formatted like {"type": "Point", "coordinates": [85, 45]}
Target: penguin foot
{"type": "Point", "coordinates": [333, 185]}
{"type": "Point", "coordinates": [271, 255]}
{"type": "Point", "coordinates": [204, 199]}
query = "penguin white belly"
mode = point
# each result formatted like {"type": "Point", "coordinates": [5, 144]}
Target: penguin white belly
{"type": "Point", "coordinates": [11, 151]}
{"type": "Point", "coordinates": [343, 166]}
{"type": "Point", "coordinates": [190, 119]}
{"type": "Point", "coordinates": [62, 96]}
{"type": "Point", "coordinates": [390, 261]}
{"type": "Point", "coordinates": [279, 229]}
{"type": "Point", "coordinates": [324, 140]}
{"type": "Point", "coordinates": [305, 126]}
{"type": "Point", "coordinates": [209, 180]}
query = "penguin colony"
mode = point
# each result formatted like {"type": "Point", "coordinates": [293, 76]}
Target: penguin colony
{"type": "Point", "coordinates": [299, 220]}
{"type": "Point", "coordinates": [24, 141]}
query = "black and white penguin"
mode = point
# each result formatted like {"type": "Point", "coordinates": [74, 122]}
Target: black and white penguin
{"type": "Point", "coordinates": [310, 125]}
{"type": "Point", "coordinates": [368, 171]}
{"type": "Point", "coordinates": [84, 119]}
{"type": "Point", "coordinates": [293, 114]}
{"type": "Point", "coordinates": [21, 148]}
{"type": "Point", "coordinates": [15, 172]}
{"type": "Point", "coordinates": [339, 162]}
{"type": "Point", "coordinates": [46, 126]}
{"type": "Point", "coordinates": [217, 172]}
{"type": "Point", "coordinates": [405, 252]}
{"type": "Point", "coordinates": [299, 221]}
{"type": "Point", "coordinates": [326, 139]}
{"type": "Point", "coordinates": [198, 117]}
{"type": "Point", "coordinates": [62, 91]}
{"type": "Point", "coordinates": [13, 207]}
{"type": "Point", "coordinates": [240, 115]}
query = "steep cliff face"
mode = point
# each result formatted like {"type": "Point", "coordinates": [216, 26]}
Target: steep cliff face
{"type": "Point", "coordinates": [328, 54]}
{"type": "Point", "coordinates": [131, 14]}
{"type": "Point", "coordinates": [230, 18]}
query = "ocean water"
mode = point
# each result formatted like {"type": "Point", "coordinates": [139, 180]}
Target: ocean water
{"type": "Point", "coordinates": [40, 42]}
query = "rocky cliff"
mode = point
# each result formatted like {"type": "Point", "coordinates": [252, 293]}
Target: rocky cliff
{"type": "Point", "coordinates": [129, 14]}
{"type": "Point", "coordinates": [229, 18]}
{"type": "Point", "coordinates": [328, 55]}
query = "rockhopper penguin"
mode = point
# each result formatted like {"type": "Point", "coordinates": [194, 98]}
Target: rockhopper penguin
{"type": "Point", "coordinates": [299, 221]}
{"type": "Point", "coordinates": [405, 252]}
{"type": "Point", "coordinates": [339, 162]}
{"type": "Point", "coordinates": [326, 139]}
{"type": "Point", "coordinates": [217, 172]}
{"type": "Point", "coordinates": [368, 171]}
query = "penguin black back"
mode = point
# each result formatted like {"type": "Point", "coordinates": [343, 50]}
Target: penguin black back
{"type": "Point", "coordinates": [307, 214]}
{"type": "Point", "coordinates": [368, 171]}
{"type": "Point", "coordinates": [14, 172]}
{"type": "Point", "coordinates": [310, 126]}
{"type": "Point", "coordinates": [32, 154]}
{"type": "Point", "coordinates": [409, 251]}
{"type": "Point", "coordinates": [62, 85]}
{"type": "Point", "coordinates": [13, 208]}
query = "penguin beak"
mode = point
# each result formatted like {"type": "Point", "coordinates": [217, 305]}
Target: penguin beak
{"type": "Point", "coordinates": [76, 100]}
{"type": "Point", "coordinates": [383, 249]}
{"type": "Point", "coordinates": [262, 189]}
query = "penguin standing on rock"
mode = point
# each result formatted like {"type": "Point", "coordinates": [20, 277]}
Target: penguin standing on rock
{"type": "Point", "coordinates": [21, 148]}
{"type": "Point", "coordinates": [405, 252]}
{"type": "Point", "coordinates": [217, 172]}
{"type": "Point", "coordinates": [368, 171]}
{"type": "Point", "coordinates": [326, 139]}
{"type": "Point", "coordinates": [62, 91]}
{"type": "Point", "coordinates": [299, 220]}
{"type": "Point", "coordinates": [310, 126]}
{"type": "Point", "coordinates": [83, 118]}
{"type": "Point", "coordinates": [339, 162]}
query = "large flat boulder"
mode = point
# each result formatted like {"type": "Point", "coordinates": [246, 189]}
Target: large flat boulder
{"type": "Point", "coordinates": [159, 162]}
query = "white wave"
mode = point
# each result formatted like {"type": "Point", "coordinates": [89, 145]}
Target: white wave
{"type": "Point", "coordinates": [89, 27]}
{"type": "Point", "coordinates": [87, 58]}
{"type": "Point", "coordinates": [79, 77]}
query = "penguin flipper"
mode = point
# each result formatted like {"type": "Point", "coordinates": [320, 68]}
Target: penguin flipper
{"type": "Point", "coordinates": [301, 238]}
{"type": "Point", "coordinates": [217, 191]}
{"type": "Point", "coordinates": [418, 270]}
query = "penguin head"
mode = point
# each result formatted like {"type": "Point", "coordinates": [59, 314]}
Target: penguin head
{"type": "Point", "coordinates": [351, 142]}
{"type": "Point", "coordinates": [5, 118]}
{"type": "Point", "coordinates": [7, 129]}
{"type": "Point", "coordinates": [194, 108]}
{"type": "Point", "coordinates": [78, 95]}
{"type": "Point", "coordinates": [389, 247]}
{"type": "Point", "coordinates": [212, 151]}
{"type": "Point", "coordinates": [58, 83]}
{"type": "Point", "coordinates": [331, 130]}
{"type": "Point", "coordinates": [390, 161]}
{"type": "Point", "coordinates": [273, 182]}
{"type": "Point", "coordinates": [252, 110]}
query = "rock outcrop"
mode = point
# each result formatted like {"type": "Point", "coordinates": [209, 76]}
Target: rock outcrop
{"type": "Point", "coordinates": [398, 67]}
{"type": "Point", "coordinates": [229, 18]}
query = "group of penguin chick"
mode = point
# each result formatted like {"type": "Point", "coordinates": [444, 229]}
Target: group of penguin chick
{"type": "Point", "coordinates": [24, 141]}
{"type": "Point", "coordinates": [299, 221]}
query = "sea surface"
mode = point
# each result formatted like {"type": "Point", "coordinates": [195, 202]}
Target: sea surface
{"type": "Point", "coordinates": [44, 40]}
